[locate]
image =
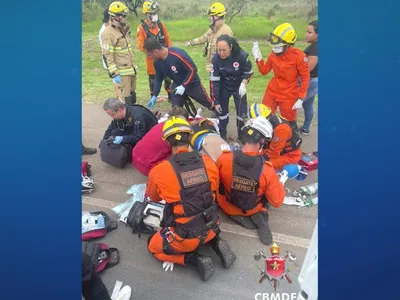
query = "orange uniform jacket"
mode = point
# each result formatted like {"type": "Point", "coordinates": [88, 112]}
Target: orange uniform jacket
{"type": "Point", "coordinates": [141, 37]}
{"type": "Point", "coordinates": [269, 186]}
{"type": "Point", "coordinates": [282, 135]}
{"type": "Point", "coordinates": [288, 67]}
{"type": "Point", "coordinates": [163, 184]}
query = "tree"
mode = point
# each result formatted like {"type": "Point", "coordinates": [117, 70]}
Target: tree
{"type": "Point", "coordinates": [313, 9]}
{"type": "Point", "coordinates": [236, 7]}
{"type": "Point", "coordinates": [133, 5]}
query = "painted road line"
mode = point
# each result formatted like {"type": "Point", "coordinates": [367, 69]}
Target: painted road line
{"type": "Point", "coordinates": [231, 228]}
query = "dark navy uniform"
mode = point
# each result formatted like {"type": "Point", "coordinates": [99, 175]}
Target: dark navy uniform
{"type": "Point", "coordinates": [225, 78]}
{"type": "Point", "coordinates": [183, 71]}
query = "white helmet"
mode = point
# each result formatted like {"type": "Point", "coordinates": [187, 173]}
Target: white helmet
{"type": "Point", "coordinates": [261, 124]}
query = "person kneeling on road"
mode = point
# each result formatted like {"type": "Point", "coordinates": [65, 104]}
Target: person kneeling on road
{"type": "Point", "coordinates": [152, 149]}
{"type": "Point", "coordinates": [285, 145]}
{"type": "Point", "coordinates": [248, 182]}
{"type": "Point", "coordinates": [130, 122]}
{"type": "Point", "coordinates": [187, 182]}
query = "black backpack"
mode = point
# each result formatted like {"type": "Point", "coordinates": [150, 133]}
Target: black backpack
{"type": "Point", "coordinates": [135, 219]}
{"type": "Point", "coordinates": [102, 256]}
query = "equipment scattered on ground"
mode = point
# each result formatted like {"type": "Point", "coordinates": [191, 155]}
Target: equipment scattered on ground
{"type": "Point", "coordinates": [303, 196]}
{"type": "Point", "coordinates": [122, 210]}
{"type": "Point", "coordinates": [96, 225]}
{"type": "Point", "coordinates": [102, 256]}
{"type": "Point", "coordinates": [87, 185]}
{"type": "Point", "coordinates": [275, 266]}
{"type": "Point", "coordinates": [86, 169]}
{"type": "Point", "coordinates": [309, 161]}
{"type": "Point", "coordinates": [117, 155]}
{"type": "Point", "coordinates": [145, 217]}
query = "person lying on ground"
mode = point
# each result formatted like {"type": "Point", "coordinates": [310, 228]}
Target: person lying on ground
{"type": "Point", "coordinates": [248, 182]}
{"type": "Point", "coordinates": [187, 182]}
{"type": "Point", "coordinates": [152, 149]}
{"type": "Point", "coordinates": [285, 145]}
{"type": "Point", "coordinates": [206, 140]}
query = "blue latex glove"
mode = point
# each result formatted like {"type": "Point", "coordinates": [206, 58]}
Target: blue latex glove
{"type": "Point", "coordinates": [117, 79]}
{"type": "Point", "coordinates": [118, 140]}
{"type": "Point", "coordinates": [152, 101]}
{"type": "Point", "coordinates": [180, 90]}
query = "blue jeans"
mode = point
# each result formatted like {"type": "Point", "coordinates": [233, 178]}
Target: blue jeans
{"type": "Point", "coordinates": [309, 101]}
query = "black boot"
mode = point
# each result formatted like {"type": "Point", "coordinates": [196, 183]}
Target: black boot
{"type": "Point", "coordinates": [261, 220]}
{"type": "Point", "coordinates": [202, 263]}
{"type": "Point", "coordinates": [88, 151]}
{"type": "Point", "coordinates": [244, 221]}
{"type": "Point", "coordinates": [221, 247]}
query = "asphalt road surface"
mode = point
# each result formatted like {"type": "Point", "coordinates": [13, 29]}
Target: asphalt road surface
{"type": "Point", "coordinates": [292, 229]}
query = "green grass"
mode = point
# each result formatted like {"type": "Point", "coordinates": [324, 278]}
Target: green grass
{"type": "Point", "coordinates": [97, 86]}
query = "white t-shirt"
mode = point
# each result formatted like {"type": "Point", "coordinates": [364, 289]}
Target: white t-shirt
{"type": "Point", "coordinates": [100, 32]}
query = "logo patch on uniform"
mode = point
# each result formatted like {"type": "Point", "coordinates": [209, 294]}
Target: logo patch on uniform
{"type": "Point", "coordinates": [173, 68]}
{"type": "Point", "coordinates": [275, 138]}
{"type": "Point", "coordinates": [305, 59]}
{"type": "Point", "coordinates": [243, 184]}
{"type": "Point", "coordinates": [236, 64]}
{"type": "Point", "coordinates": [194, 177]}
{"type": "Point", "coordinates": [106, 47]}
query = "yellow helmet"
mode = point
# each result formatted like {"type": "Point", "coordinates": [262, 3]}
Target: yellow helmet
{"type": "Point", "coordinates": [150, 7]}
{"type": "Point", "coordinates": [216, 9]}
{"type": "Point", "coordinates": [117, 9]}
{"type": "Point", "coordinates": [256, 110]}
{"type": "Point", "coordinates": [282, 35]}
{"type": "Point", "coordinates": [176, 125]}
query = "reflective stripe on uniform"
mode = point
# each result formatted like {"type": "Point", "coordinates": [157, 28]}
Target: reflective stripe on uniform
{"type": "Point", "coordinates": [250, 72]}
{"type": "Point", "coordinates": [239, 118]}
{"type": "Point", "coordinates": [224, 117]}
{"type": "Point", "coordinates": [112, 68]}
{"type": "Point", "coordinates": [215, 78]}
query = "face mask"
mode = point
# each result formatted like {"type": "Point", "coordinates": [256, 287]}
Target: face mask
{"type": "Point", "coordinates": [277, 50]}
{"type": "Point", "coordinates": [154, 18]}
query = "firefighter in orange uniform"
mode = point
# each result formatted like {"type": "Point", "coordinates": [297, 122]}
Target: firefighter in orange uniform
{"type": "Point", "coordinates": [285, 146]}
{"type": "Point", "coordinates": [153, 27]}
{"type": "Point", "coordinates": [248, 182]}
{"type": "Point", "coordinates": [187, 182]}
{"type": "Point", "coordinates": [285, 90]}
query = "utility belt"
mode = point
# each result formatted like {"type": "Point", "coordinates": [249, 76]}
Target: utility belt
{"type": "Point", "coordinates": [198, 227]}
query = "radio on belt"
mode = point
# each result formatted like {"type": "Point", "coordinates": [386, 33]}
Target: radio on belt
{"type": "Point", "coordinates": [309, 161]}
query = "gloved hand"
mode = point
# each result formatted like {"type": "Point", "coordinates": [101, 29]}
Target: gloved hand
{"type": "Point", "coordinates": [256, 52]}
{"type": "Point", "coordinates": [298, 104]}
{"type": "Point", "coordinates": [168, 266]}
{"type": "Point", "coordinates": [180, 90]}
{"type": "Point", "coordinates": [187, 44]}
{"type": "Point", "coordinates": [117, 79]}
{"type": "Point", "coordinates": [118, 140]}
{"type": "Point", "coordinates": [242, 90]}
{"type": "Point", "coordinates": [218, 108]}
{"type": "Point", "coordinates": [152, 101]}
